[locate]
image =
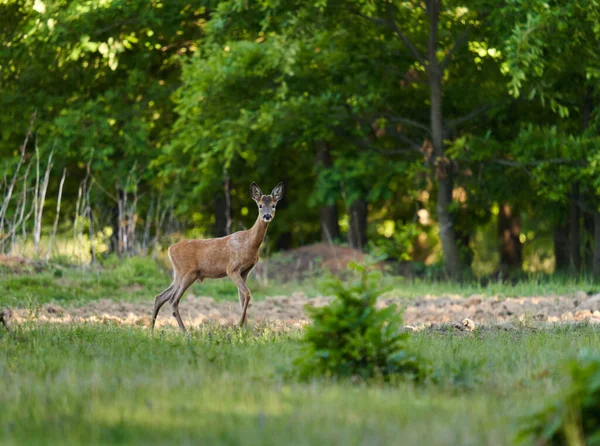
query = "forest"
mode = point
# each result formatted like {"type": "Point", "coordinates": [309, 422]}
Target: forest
{"type": "Point", "coordinates": [461, 137]}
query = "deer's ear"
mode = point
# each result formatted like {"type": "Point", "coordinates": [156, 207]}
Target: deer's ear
{"type": "Point", "coordinates": [255, 192]}
{"type": "Point", "coordinates": [277, 192]}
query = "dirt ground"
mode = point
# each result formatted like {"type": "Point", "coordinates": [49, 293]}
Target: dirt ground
{"type": "Point", "coordinates": [426, 312]}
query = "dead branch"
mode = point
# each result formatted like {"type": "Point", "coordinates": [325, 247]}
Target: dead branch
{"type": "Point", "coordinates": [227, 187]}
{"type": "Point", "coordinates": [147, 224]}
{"type": "Point", "coordinates": [91, 224]}
{"type": "Point", "coordinates": [132, 221]}
{"type": "Point", "coordinates": [37, 233]}
{"type": "Point", "coordinates": [56, 218]}
{"type": "Point", "coordinates": [11, 186]}
{"type": "Point", "coordinates": [76, 218]}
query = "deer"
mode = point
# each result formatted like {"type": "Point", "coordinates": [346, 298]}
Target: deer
{"type": "Point", "coordinates": [233, 256]}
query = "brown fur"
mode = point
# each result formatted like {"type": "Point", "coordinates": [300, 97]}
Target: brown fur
{"type": "Point", "coordinates": [234, 255]}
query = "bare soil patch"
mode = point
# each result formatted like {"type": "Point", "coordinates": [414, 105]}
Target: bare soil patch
{"type": "Point", "coordinates": [308, 260]}
{"type": "Point", "coordinates": [427, 312]}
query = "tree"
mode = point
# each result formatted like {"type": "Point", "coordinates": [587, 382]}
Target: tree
{"type": "Point", "coordinates": [553, 58]}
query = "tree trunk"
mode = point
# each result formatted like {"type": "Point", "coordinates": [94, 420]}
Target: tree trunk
{"type": "Point", "coordinates": [220, 228]}
{"type": "Point", "coordinates": [284, 241]}
{"type": "Point", "coordinates": [596, 261]}
{"type": "Point", "coordinates": [441, 163]}
{"type": "Point", "coordinates": [574, 231]}
{"type": "Point", "coordinates": [330, 229]}
{"type": "Point", "coordinates": [511, 250]}
{"type": "Point", "coordinates": [114, 246]}
{"type": "Point", "coordinates": [561, 248]}
{"type": "Point", "coordinates": [223, 210]}
{"type": "Point", "coordinates": [357, 231]}
{"type": "Point", "coordinates": [587, 238]}
{"type": "Point", "coordinates": [463, 239]}
{"type": "Point", "coordinates": [594, 220]}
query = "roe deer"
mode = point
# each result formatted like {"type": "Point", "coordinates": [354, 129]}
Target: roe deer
{"type": "Point", "coordinates": [233, 255]}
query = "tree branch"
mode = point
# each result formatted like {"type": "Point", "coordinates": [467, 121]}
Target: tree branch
{"type": "Point", "coordinates": [394, 27]}
{"type": "Point", "coordinates": [473, 114]}
{"type": "Point", "coordinates": [463, 38]}
{"type": "Point", "coordinates": [414, 145]}
{"type": "Point", "coordinates": [541, 162]}
{"type": "Point", "coordinates": [392, 118]}
{"type": "Point", "coordinates": [413, 49]}
{"type": "Point", "coordinates": [365, 144]}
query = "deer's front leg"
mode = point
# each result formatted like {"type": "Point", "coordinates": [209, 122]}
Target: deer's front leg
{"type": "Point", "coordinates": [241, 296]}
{"type": "Point", "coordinates": [243, 292]}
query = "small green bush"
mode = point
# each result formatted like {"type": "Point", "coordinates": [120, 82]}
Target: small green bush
{"type": "Point", "coordinates": [574, 418]}
{"type": "Point", "coordinates": [352, 338]}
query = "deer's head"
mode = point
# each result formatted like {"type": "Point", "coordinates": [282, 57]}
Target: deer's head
{"type": "Point", "coordinates": [266, 203]}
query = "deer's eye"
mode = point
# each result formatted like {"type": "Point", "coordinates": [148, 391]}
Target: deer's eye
{"type": "Point", "coordinates": [260, 206]}
{"type": "Point", "coordinates": [273, 207]}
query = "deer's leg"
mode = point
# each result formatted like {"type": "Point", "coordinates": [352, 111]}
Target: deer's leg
{"type": "Point", "coordinates": [184, 284]}
{"type": "Point", "coordinates": [244, 291]}
{"type": "Point", "coordinates": [243, 317]}
{"type": "Point", "coordinates": [240, 295]}
{"type": "Point", "coordinates": [159, 301]}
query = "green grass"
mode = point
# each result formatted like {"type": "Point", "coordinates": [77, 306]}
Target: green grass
{"type": "Point", "coordinates": [140, 279]}
{"type": "Point", "coordinates": [534, 285]}
{"type": "Point", "coordinates": [135, 279]}
{"type": "Point", "coordinates": [99, 384]}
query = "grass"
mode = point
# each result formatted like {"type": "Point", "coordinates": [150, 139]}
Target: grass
{"type": "Point", "coordinates": [534, 285]}
{"type": "Point", "coordinates": [140, 279]}
{"type": "Point", "coordinates": [135, 279]}
{"type": "Point", "coordinates": [108, 384]}
{"type": "Point", "coordinates": [104, 384]}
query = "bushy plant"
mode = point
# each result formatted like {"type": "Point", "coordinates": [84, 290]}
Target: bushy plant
{"type": "Point", "coordinates": [574, 417]}
{"type": "Point", "coordinates": [352, 338]}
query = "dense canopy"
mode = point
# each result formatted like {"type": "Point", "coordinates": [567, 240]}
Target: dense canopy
{"type": "Point", "coordinates": [454, 133]}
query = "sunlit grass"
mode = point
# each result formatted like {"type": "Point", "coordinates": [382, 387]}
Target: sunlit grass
{"type": "Point", "coordinates": [140, 279]}
{"type": "Point", "coordinates": [98, 384]}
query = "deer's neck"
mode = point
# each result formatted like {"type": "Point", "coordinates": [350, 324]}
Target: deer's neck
{"type": "Point", "coordinates": [258, 232]}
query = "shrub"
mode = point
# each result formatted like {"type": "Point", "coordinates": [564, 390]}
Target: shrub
{"type": "Point", "coordinates": [573, 418]}
{"type": "Point", "coordinates": [352, 338]}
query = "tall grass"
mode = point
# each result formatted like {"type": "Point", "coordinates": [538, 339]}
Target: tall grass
{"type": "Point", "coordinates": [97, 384]}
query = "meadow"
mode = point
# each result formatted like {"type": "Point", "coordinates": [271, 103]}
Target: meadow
{"type": "Point", "coordinates": [118, 384]}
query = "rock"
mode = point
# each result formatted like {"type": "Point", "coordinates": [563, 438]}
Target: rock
{"type": "Point", "coordinates": [472, 301]}
{"type": "Point", "coordinates": [468, 324]}
{"type": "Point", "coordinates": [592, 304]}
{"type": "Point", "coordinates": [594, 296]}
{"type": "Point", "coordinates": [5, 315]}
{"type": "Point", "coordinates": [580, 295]}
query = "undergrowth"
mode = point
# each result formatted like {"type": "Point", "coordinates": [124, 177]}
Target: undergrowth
{"type": "Point", "coordinates": [352, 338]}
{"type": "Point", "coordinates": [574, 417]}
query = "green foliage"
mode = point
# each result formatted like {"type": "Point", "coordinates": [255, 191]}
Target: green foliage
{"type": "Point", "coordinates": [574, 417]}
{"type": "Point", "coordinates": [352, 338]}
{"type": "Point", "coordinates": [181, 96]}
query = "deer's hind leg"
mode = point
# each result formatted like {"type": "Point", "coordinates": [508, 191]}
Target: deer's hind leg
{"type": "Point", "coordinates": [186, 281]}
{"type": "Point", "coordinates": [159, 301]}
